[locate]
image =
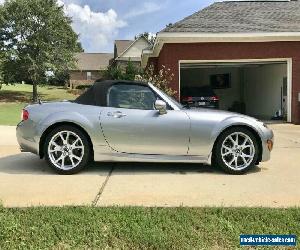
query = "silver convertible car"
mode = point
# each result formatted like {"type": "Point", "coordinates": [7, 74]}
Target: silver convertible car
{"type": "Point", "coordinates": [136, 122]}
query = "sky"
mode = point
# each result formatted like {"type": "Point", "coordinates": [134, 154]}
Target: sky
{"type": "Point", "coordinates": [100, 22]}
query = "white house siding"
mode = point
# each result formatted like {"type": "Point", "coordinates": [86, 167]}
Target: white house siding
{"type": "Point", "coordinates": [136, 49]}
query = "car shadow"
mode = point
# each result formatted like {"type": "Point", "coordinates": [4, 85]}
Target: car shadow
{"type": "Point", "coordinates": [26, 163]}
{"type": "Point", "coordinates": [124, 168]}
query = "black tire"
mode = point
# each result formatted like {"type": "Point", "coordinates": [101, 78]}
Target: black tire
{"type": "Point", "coordinates": [217, 159]}
{"type": "Point", "coordinates": [86, 155]}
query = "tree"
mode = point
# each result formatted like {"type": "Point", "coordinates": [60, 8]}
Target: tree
{"type": "Point", "coordinates": [113, 73]}
{"type": "Point", "coordinates": [58, 78]}
{"type": "Point", "coordinates": [36, 37]}
{"type": "Point", "coordinates": [1, 71]}
{"type": "Point", "coordinates": [149, 36]}
{"type": "Point", "coordinates": [117, 73]}
{"type": "Point", "coordinates": [130, 71]}
{"type": "Point", "coordinates": [11, 75]}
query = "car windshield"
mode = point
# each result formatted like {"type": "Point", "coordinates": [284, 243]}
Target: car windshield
{"type": "Point", "coordinates": [166, 97]}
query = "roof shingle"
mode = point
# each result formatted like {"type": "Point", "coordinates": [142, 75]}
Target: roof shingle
{"type": "Point", "coordinates": [121, 46]}
{"type": "Point", "coordinates": [242, 17]}
{"type": "Point", "coordinates": [93, 61]}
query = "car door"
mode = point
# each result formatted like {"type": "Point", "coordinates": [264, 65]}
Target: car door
{"type": "Point", "coordinates": [130, 123]}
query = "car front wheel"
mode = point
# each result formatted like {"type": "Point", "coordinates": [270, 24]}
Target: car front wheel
{"type": "Point", "coordinates": [67, 150]}
{"type": "Point", "coordinates": [236, 150]}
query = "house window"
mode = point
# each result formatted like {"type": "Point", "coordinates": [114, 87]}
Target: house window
{"type": "Point", "coordinates": [89, 75]}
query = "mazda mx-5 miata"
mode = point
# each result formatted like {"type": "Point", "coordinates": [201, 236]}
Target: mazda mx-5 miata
{"type": "Point", "coordinates": [137, 122]}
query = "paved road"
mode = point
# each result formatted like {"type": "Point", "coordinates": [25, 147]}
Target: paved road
{"type": "Point", "coordinates": [27, 181]}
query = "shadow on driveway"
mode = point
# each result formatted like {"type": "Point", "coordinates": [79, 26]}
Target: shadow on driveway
{"type": "Point", "coordinates": [26, 163]}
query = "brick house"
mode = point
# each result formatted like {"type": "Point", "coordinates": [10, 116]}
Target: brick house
{"type": "Point", "coordinates": [89, 67]}
{"type": "Point", "coordinates": [256, 44]}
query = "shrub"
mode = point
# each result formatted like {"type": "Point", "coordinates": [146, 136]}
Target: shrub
{"type": "Point", "coordinates": [83, 86]}
{"type": "Point", "coordinates": [161, 79]}
{"type": "Point", "coordinates": [118, 73]}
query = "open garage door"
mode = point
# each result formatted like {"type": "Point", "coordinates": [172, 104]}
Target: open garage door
{"type": "Point", "coordinates": [261, 89]}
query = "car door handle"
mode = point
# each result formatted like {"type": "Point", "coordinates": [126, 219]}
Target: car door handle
{"type": "Point", "coordinates": [116, 114]}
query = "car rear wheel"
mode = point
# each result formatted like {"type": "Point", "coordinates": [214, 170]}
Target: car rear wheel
{"type": "Point", "coordinates": [236, 150]}
{"type": "Point", "coordinates": [67, 150]}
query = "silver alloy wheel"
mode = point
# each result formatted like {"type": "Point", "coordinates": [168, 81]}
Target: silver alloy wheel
{"type": "Point", "coordinates": [238, 151]}
{"type": "Point", "coordinates": [65, 150]}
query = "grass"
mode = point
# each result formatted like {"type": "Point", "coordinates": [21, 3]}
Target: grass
{"type": "Point", "coordinates": [14, 97]}
{"type": "Point", "coordinates": [10, 113]}
{"type": "Point", "coordinates": [140, 228]}
{"type": "Point", "coordinates": [23, 93]}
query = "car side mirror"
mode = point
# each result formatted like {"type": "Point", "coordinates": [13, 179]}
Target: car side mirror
{"type": "Point", "coordinates": [161, 106]}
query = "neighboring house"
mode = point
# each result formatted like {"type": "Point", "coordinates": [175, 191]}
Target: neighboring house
{"type": "Point", "coordinates": [249, 51]}
{"type": "Point", "coordinates": [89, 67]}
{"type": "Point", "coordinates": [125, 50]}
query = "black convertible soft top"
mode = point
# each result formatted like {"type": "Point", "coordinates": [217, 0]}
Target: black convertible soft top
{"type": "Point", "coordinates": [97, 94]}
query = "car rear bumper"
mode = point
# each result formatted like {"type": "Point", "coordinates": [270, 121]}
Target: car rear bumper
{"type": "Point", "coordinates": [212, 105]}
{"type": "Point", "coordinates": [26, 139]}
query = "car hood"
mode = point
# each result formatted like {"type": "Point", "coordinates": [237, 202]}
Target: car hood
{"type": "Point", "coordinates": [216, 114]}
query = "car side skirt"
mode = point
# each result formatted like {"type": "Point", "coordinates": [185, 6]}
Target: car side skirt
{"type": "Point", "coordinates": [124, 157]}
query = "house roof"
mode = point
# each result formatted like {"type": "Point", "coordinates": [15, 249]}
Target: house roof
{"type": "Point", "coordinates": [121, 46]}
{"type": "Point", "coordinates": [242, 17]}
{"type": "Point", "coordinates": [93, 61]}
{"type": "Point", "coordinates": [122, 56]}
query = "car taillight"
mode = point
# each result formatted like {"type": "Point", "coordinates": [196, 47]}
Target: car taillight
{"type": "Point", "coordinates": [215, 98]}
{"type": "Point", "coordinates": [187, 98]}
{"type": "Point", "coordinates": [25, 115]}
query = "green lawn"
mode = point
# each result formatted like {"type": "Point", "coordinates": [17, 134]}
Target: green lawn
{"type": "Point", "coordinates": [10, 113]}
{"type": "Point", "coordinates": [140, 228]}
{"type": "Point", "coordinates": [14, 97]}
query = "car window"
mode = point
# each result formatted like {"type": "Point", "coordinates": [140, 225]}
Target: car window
{"type": "Point", "coordinates": [131, 96]}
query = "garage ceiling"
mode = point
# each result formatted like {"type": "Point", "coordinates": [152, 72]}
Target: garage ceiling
{"type": "Point", "coordinates": [225, 64]}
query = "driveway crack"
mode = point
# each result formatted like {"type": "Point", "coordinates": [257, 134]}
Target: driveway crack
{"type": "Point", "coordinates": [98, 195]}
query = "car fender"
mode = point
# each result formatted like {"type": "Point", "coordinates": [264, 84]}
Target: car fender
{"type": "Point", "coordinates": [233, 121]}
{"type": "Point", "coordinates": [64, 116]}
{"type": "Point", "coordinates": [91, 128]}
{"type": "Point", "coordinates": [230, 122]}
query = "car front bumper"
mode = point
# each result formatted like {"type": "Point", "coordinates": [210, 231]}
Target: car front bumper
{"type": "Point", "coordinates": [267, 144]}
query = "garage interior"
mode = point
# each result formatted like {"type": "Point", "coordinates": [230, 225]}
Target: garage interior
{"type": "Point", "coordinates": [258, 89]}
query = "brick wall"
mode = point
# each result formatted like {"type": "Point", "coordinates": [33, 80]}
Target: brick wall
{"type": "Point", "coordinates": [80, 77]}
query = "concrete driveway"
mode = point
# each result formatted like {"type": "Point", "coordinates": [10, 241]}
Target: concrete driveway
{"type": "Point", "coordinates": [27, 181]}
